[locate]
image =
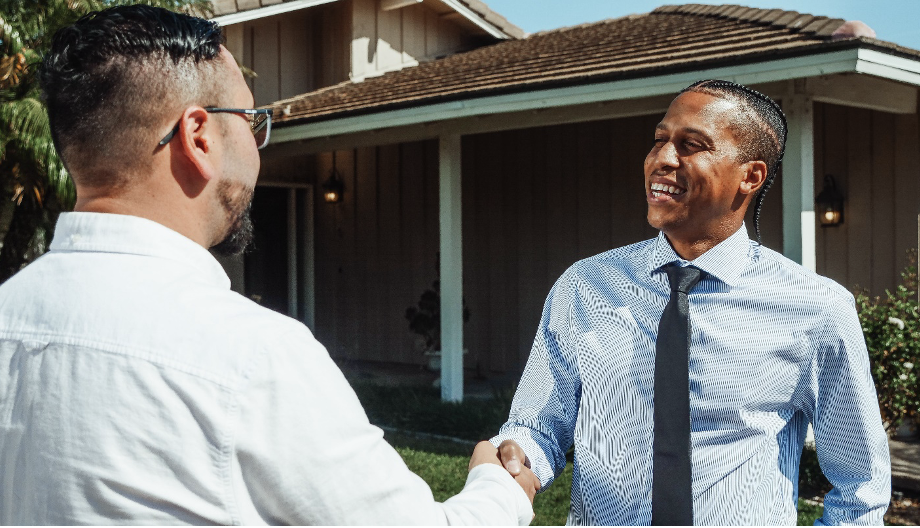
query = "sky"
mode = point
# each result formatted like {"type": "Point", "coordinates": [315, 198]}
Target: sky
{"type": "Point", "coordinates": [893, 20]}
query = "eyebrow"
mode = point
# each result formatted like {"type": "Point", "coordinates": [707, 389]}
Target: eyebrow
{"type": "Point", "coordinates": [687, 130]}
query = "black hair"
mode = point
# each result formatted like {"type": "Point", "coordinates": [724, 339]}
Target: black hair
{"type": "Point", "coordinates": [113, 69]}
{"type": "Point", "coordinates": [761, 127]}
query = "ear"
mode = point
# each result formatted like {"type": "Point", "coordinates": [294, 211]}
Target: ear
{"type": "Point", "coordinates": [197, 133]}
{"type": "Point", "coordinates": [755, 173]}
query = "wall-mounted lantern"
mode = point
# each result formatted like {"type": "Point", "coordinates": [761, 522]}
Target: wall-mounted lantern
{"type": "Point", "coordinates": [334, 186]}
{"type": "Point", "coordinates": [829, 204]}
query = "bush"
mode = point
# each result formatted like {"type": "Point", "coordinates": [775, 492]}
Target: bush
{"type": "Point", "coordinates": [891, 325]}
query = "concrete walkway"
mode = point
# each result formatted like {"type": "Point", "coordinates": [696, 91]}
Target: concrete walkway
{"type": "Point", "coordinates": [905, 464]}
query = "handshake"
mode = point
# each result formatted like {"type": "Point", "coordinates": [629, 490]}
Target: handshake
{"type": "Point", "coordinates": [510, 456]}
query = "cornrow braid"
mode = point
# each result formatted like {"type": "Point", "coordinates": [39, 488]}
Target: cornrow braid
{"type": "Point", "coordinates": [762, 127]}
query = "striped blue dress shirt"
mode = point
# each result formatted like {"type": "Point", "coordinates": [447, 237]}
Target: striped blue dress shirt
{"type": "Point", "coordinates": [773, 347]}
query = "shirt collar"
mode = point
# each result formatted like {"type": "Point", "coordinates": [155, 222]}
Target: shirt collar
{"type": "Point", "coordinates": [115, 233]}
{"type": "Point", "coordinates": [725, 261]}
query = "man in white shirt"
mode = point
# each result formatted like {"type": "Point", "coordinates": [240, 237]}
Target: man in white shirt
{"type": "Point", "coordinates": [136, 387]}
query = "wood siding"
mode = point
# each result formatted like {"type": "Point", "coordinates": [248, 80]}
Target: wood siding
{"type": "Point", "coordinates": [875, 159]}
{"type": "Point", "coordinates": [294, 53]}
{"type": "Point", "coordinates": [383, 41]}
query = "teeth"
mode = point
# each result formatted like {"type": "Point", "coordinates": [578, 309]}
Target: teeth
{"type": "Point", "coordinates": [670, 189]}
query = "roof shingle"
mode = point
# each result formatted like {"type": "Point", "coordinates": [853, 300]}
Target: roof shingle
{"type": "Point", "coordinates": [670, 38]}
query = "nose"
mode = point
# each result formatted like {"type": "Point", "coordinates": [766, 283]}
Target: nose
{"type": "Point", "coordinates": [665, 157]}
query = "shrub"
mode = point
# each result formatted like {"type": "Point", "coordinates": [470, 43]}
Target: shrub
{"type": "Point", "coordinates": [891, 325]}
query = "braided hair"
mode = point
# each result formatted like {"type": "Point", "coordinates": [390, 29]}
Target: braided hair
{"type": "Point", "coordinates": [761, 125]}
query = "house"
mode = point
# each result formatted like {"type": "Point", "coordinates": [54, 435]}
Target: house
{"type": "Point", "coordinates": [519, 156]}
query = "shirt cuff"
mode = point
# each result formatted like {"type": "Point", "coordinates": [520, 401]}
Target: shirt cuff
{"type": "Point", "coordinates": [495, 473]}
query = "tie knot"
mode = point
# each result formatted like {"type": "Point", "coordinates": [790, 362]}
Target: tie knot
{"type": "Point", "coordinates": [683, 279]}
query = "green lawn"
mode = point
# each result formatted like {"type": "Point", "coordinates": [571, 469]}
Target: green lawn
{"type": "Point", "coordinates": [443, 466]}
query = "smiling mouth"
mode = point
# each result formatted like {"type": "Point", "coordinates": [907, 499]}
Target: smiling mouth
{"type": "Point", "coordinates": [661, 189]}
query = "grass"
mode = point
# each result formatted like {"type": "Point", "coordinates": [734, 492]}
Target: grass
{"type": "Point", "coordinates": [443, 464]}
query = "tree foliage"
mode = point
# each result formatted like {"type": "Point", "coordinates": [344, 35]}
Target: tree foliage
{"type": "Point", "coordinates": [34, 185]}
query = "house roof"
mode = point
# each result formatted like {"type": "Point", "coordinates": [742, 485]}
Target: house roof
{"type": "Point", "coordinates": [669, 39]}
{"type": "Point", "coordinates": [477, 7]}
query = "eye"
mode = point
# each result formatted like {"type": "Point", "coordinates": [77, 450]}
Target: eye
{"type": "Point", "coordinates": [693, 145]}
{"type": "Point", "coordinates": [659, 141]}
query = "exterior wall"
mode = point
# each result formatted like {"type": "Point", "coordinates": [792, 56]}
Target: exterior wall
{"type": "Point", "coordinates": [305, 50]}
{"type": "Point", "coordinates": [875, 160]}
{"type": "Point", "coordinates": [383, 41]}
{"type": "Point", "coordinates": [293, 53]}
{"type": "Point", "coordinates": [376, 250]}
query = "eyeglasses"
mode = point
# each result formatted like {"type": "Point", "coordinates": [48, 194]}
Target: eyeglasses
{"type": "Point", "coordinates": [260, 123]}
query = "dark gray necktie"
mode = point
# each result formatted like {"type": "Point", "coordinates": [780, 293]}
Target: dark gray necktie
{"type": "Point", "coordinates": [672, 479]}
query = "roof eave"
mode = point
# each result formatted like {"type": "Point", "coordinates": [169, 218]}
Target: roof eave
{"type": "Point", "coordinates": [852, 56]}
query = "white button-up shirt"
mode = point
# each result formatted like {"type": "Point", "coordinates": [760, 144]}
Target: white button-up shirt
{"type": "Point", "coordinates": [136, 387]}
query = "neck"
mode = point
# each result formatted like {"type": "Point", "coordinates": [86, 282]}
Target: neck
{"type": "Point", "coordinates": [692, 247]}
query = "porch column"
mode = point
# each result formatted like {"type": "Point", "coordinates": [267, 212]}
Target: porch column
{"type": "Point", "coordinates": [292, 253]}
{"type": "Point", "coordinates": [451, 269]}
{"type": "Point", "coordinates": [799, 183]}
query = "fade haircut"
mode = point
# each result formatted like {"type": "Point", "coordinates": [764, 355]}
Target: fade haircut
{"type": "Point", "coordinates": [760, 126]}
{"type": "Point", "coordinates": [113, 77]}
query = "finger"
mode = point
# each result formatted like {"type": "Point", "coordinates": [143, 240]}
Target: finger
{"type": "Point", "coordinates": [484, 453]}
{"type": "Point", "coordinates": [512, 456]}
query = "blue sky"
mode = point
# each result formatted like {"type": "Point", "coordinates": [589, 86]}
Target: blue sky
{"type": "Point", "coordinates": [893, 20]}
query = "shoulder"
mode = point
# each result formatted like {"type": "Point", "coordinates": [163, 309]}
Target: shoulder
{"type": "Point", "coordinates": [623, 259]}
{"type": "Point", "coordinates": [607, 271]}
{"type": "Point", "coordinates": [799, 282]}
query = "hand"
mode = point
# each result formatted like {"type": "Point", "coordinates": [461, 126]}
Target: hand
{"type": "Point", "coordinates": [511, 454]}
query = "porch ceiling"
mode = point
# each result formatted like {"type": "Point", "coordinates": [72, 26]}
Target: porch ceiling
{"type": "Point", "coordinates": [670, 40]}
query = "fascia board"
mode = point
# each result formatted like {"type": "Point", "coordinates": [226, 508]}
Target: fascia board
{"type": "Point", "coordinates": [761, 72]}
{"type": "Point", "coordinates": [262, 12]}
{"type": "Point", "coordinates": [888, 66]}
{"type": "Point", "coordinates": [475, 19]}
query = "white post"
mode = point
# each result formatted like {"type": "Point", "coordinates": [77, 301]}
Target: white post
{"type": "Point", "coordinates": [451, 270]}
{"type": "Point", "coordinates": [799, 184]}
{"type": "Point", "coordinates": [292, 252]}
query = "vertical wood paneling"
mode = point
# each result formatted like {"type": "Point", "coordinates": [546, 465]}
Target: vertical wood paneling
{"type": "Point", "coordinates": [833, 240]}
{"type": "Point", "coordinates": [397, 342]}
{"type": "Point", "coordinates": [350, 305]}
{"type": "Point", "coordinates": [819, 139]}
{"type": "Point", "coordinates": [265, 56]}
{"type": "Point", "coordinates": [475, 249]}
{"type": "Point", "coordinates": [328, 259]}
{"type": "Point", "coordinates": [523, 191]}
{"type": "Point", "coordinates": [235, 41]}
{"type": "Point", "coordinates": [907, 189]}
{"type": "Point", "coordinates": [859, 182]}
{"type": "Point", "coordinates": [389, 39]}
{"type": "Point", "coordinates": [296, 60]}
{"type": "Point", "coordinates": [417, 261]}
{"type": "Point", "coordinates": [413, 37]}
{"type": "Point", "coordinates": [593, 166]}
{"type": "Point", "coordinates": [370, 280]}
{"type": "Point", "coordinates": [501, 213]}
{"type": "Point", "coordinates": [883, 256]}
{"type": "Point", "coordinates": [558, 217]}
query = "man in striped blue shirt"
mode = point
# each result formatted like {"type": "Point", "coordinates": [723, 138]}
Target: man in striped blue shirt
{"type": "Point", "coordinates": [772, 348]}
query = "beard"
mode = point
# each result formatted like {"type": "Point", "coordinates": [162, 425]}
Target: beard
{"type": "Point", "coordinates": [236, 200]}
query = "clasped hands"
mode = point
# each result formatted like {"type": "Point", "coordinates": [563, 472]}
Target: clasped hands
{"type": "Point", "coordinates": [510, 456]}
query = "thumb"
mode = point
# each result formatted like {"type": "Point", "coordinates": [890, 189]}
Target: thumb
{"type": "Point", "coordinates": [512, 456]}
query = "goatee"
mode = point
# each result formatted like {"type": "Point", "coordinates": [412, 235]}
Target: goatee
{"type": "Point", "coordinates": [238, 206]}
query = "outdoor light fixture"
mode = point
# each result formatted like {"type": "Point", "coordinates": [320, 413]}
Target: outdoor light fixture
{"type": "Point", "coordinates": [334, 186]}
{"type": "Point", "coordinates": [829, 203]}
